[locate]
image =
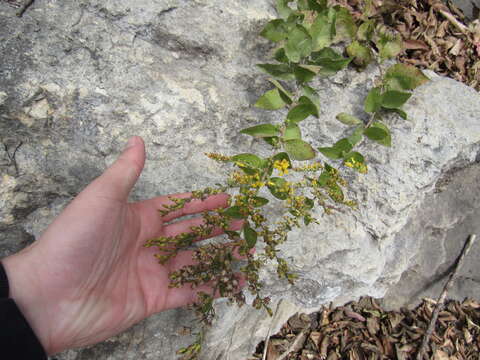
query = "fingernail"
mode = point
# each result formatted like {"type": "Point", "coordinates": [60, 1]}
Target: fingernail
{"type": "Point", "coordinates": [131, 142]}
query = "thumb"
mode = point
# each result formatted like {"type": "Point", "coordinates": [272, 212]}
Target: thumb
{"type": "Point", "coordinates": [118, 180]}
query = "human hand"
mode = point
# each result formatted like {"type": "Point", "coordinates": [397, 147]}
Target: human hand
{"type": "Point", "coordinates": [89, 276]}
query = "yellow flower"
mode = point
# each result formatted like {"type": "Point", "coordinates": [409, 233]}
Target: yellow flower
{"type": "Point", "coordinates": [360, 167]}
{"type": "Point", "coordinates": [218, 157]}
{"type": "Point", "coordinates": [258, 184]}
{"type": "Point", "coordinates": [282, 166]}
{"type": "Point", "coordinates": [310, 167]}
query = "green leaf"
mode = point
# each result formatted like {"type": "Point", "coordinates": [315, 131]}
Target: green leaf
{"type": "Point", "coordinates": [310, 96]}
{"type": "Point", "coordinates": [275, 30]}
{"type": "Point", "coordinates": [348, 119]}
{"type": "Point", "coordinates": [263, 130]}
{"type": "Point", "coordinates": [389, 47]}
{"type": "Point", "coordinates": [285, 94]}
{"type": "Point", "coordinates": [299, 149]}
{"type": "Point", "coordinates": [365, 31]}
{"type": "Point", "coordinates": [308, 204]}
{"type": "Point", "coordinates": [356, 161]}
{"type": "Point", "coordinates": [280, 56]}
{"type": "Point", "coordinates": [373, 102]}
{"type": "Point", "coordinates": [302, 5]}
{"type": "Point", "coordinates": [345, 25]}
{"type": "Point", "coordinates": [331, 152]}
{"type": "Point", "coordinates": [362, 55]}
{"type": "Point", "coordinates": [400, 112]}
{"type": "Point", "coordinates": [330, 60]}
{"type": "Point", "coordinates": [311, 5]}
{"type": "Point", "coordinates": [376, 134]}
{"type": "Point", "coordinates": [356, 136]}
{"type": "Point", "coordinates": [292, 131]}
{"type": "Point", "coordinates": [338, 150]}
{"type": "Point", "coordinates": [279, 71]}
{"type": "Point", "coordinates": [248, 160]}
{"type": "Point", "coordinates": [303, 74]}
{"type": "Point", "coordinates": [301, 111]}
{"type": "Point", "coordinates": [356, 156]}
{"type": "Point", "coordinates": [324, 178]}
{"type": "Point", "coordinates": [343, 145]}
{"type": "Point", "coordinates": [298, 45]}
{"type": "Point", "coordinates": [234, 212]}
{"type": "Point", "coordinates": [394, 99]}
{"type": "Point", "coordinates": [271, 100]}
{"type": "Point", "coordinates": [259, 201]}
{"type": "Point", "coordinates": [277, 186]}
{"type": "Point", "coordinates": [335, 192]}
{"type": "Point", "coordinates": [283, 9]}
{"type": "Point", "coordinates": [282, 156]}
{"type": "Point", "coordinates": [271, 140]}
{"type": "Point", "coordinates": [404, 77]}
{"type": "Point", "coordinates": [323, 30]}
{"type": "Point", "coordinates": [296, 17]}
{"type": "Point", "coordinates": [380, 133]}
{"type": "Point", "coordinates": [250, 236]}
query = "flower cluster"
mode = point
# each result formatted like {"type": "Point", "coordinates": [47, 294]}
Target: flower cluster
{"type": "Point", "coordinates": [282, 166]}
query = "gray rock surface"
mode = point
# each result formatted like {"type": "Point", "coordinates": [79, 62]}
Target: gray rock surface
{"type": "Point", "coordinates": [469, 7]}
{"type": "Point", "coordinates": [78, 78]}
{"type": "Point", "coordinates": [435, 234]}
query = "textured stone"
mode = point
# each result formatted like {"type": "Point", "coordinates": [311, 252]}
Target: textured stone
{"type": "Point", "coordinates": [79, 78]}
{"type": "Point", "coordinates": [469, 7]}
{"type": "Point", "coordinates": [435, 235]}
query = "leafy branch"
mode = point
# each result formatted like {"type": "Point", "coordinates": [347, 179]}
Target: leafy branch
{"type": "Point", "coordinates": [308, 36]}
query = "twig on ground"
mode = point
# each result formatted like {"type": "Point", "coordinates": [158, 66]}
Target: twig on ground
{"type": "Point", "coordinates": [11, 156]}
{"type": "Point", "coordinates": [443, 295]}
{"type": "Point", "coordinates": [24, 7]}
{"type": "Point", "coordinates": [267, 339]}
{"type": "Point", "coordinates": [297, 343]}
{"type": "Point", "coordinates": [462, 28]}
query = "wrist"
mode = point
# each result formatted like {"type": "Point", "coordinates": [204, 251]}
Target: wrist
{"type": "Point", "coordinates": [24, 289]}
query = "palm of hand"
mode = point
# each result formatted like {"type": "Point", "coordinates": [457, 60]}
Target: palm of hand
{"type": "Point", "coordinates": [92, 275]}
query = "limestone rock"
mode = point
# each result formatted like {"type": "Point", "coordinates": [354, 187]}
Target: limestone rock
{"type": "Point", "coordinates": [79, 78]}
{"type": "Point", "coordinates": [469, 7]}
{"type": "Point", "coordinates": [435, 234]}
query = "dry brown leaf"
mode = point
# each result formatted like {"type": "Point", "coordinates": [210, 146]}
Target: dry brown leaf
{"type": "Point", "coordinates": [468, 337]}
{"type": "Point", "coordinates": [332, 356]}
{"type": "Point", "coordinates": [354, 355]}
{"type": "Point", "coordinates": [432, 45]}
{"type": "Point", "coordinates": [415, 45]}
{"type": "Point", "coordinates": [440, 355]}
{"type": "Point", "coordinates": [401, 355]}
{"type": "Point", "coordinates": [354, 315]}
{"type": "Point", "coordinates": [316, 338]}
{"type": "Point", "coordinates": [324, 347]}
{"type": "Point", "coordinates": [273, 352]}
{"type": "Point", "coordinates": [324, 318]}
{"type": "Point", "coordinates": [447, 344]}
{"type": "Point", "coordinates": [470, 303]}
{"type": "Point", "coordinates": [460, 62]}
{"type": "Point", "coordinates": [442, 29]}
{"type": "Point", "coordinates": [457, 48]}
{"type": "Point", "coordinates": [373, 325]}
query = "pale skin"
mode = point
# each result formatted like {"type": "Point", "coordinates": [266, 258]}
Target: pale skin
{"type": "Point", "coordinates": [89, 277]}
